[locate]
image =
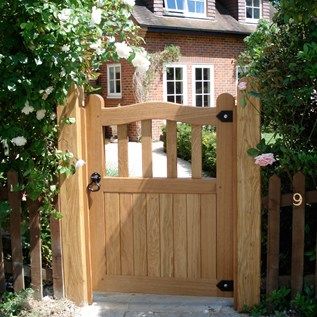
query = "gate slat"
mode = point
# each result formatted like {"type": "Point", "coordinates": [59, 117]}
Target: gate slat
{"type": "Point", "coordinates": [208, 236]}
{"type": "Point", "coordinates": [146, 140]}
{"type": "Point", "coordinates": [193, 236]}
{"type": "Point", "coordinates": [298, 236]}
{"type": "Point", "coordinates": [112, 219]}
{"type": "Point", "coordinates": [139, 234]}
{"type": "Point", "coordinates": [123, 168]}
{"type": "Point", "coordinates": [153, 234]}
{"type": "Point", "coordinates": [15, 231]}
{"type": "Point", "coordinates": [126, 227]}
{"type": "Point", "coordinates": [36, 254]}
{"type": "Point", "coordinates": [273, 244]}
{"type": "Point", "coordinates": [166, 228]}
{"type": "Point", "coordinates": [171, 149]}
{"type": "Point", "coordinates": [196, 151]}
{"type": "Point", "coordinates": [180, 235]}
{"type": "Point", "coordinates": [2, 274]}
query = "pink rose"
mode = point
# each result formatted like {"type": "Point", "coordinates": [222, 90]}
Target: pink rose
{"type": "Point", "coordinates": [265, 159]}
{"type": "Point", "coordinates": [242, 85]}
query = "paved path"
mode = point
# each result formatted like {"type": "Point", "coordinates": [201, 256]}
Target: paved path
{"type": "Point", "coordinates": [135, 160]}
{"type": "Point", "coordinates": [140, 305]}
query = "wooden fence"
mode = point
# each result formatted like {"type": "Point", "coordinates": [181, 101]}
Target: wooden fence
{"type": "Point", "coordinates": [275, 200]}
{"type": "Point", "coordinates": [16, 266]}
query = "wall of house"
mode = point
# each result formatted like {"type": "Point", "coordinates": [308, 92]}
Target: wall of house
{"type": "Point", "coordinates": [220, 51]}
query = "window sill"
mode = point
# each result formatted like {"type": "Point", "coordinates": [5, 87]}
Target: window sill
{"type": "Point", "coordinates": [114, 97]}
{"type": "Point", "coordinates": [253, 21]}
{"type": "Point", "coordinates": [187, 15]}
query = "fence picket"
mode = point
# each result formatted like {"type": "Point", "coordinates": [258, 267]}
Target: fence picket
{"type": "Point", "coordinates": [196, 151]}
{"type": "Point", "coordinates": [298, 235]}
{"type": "Point", "coordinates": [123, 150]}
{"type": "Point", "coordinates": [15, 231]}
{"type": "Point", "coordinates": [273, 243]}
{"type": "Point", "coordinates": [36, 254]}
{"type": "Point", "coordinates": [171, 148]}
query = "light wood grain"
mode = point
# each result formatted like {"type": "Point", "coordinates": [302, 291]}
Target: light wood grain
{"type": "Point", "coordinates": [158, 110]}
{"type": "Point", "coordinates": [153, 234]}
{"type": "Point", "coordinates": [196, 152]}
{"type": "Point", "coordinates": [298, 236]}
{"type": "Point", "coordinates": [146, 140]}
{"type": "Point", "coordinates": [139, 237]}
{"type": "Point", "coordinates": [166, 233]}
{"type": "Point", "coordinates": [248, 273]}
{"type": "Point", "coordinates": [171, 149]}
{"type": "Point", "coordinates": [208, 236]}
{"type": "Point", "coordinates": [126, 227]}
{"type": "Point", "coordinates": [180, 235]}
{"type": "Point", "coordinates": [157, 285]}
{"type": "Point", "coordinates": [123, 160]}
{"type": "Point", "coordinates": [273, 242]}
{"type": "Point", "coordinates": [158, 185]}
{"type": "Point", "coordinates": [193, 236]}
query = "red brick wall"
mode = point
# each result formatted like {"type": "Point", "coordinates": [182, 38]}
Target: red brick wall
{"type": "Point", "coordinates": [220, 51]}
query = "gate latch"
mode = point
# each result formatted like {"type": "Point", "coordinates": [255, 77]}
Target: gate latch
{"type": "Point", "coordinates": [225, 116]}
{"type": "Point", "coordinates": [225, 285]}
{"type": "Point", "coordinates": [94, 185]}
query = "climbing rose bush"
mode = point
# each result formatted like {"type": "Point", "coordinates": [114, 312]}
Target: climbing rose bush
{"type": "Point", "coordinates": [46, 46]}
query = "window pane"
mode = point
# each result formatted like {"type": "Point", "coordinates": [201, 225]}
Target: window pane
{"type": "Point", "coordinates": [207, 101]}
{"type": "Point", "coordinates": [198, 74]}
{"type": "Point", "coordinates": [206, 74]}
{"type": "Point", "coordinates": [199, 101]}
{"type": "Point", "coordinates": [170, 99]}
{"type": "Point", "coordinates": [179, 73]}
{"type": "Point", "coordinates": [111, 87]}
{"type": "Point", "coordinates": [180, 4]}
{"type": "Point", "coordinates": [171, 4]}
{"type": "Point", "coordinates": [179, 99]}
{"type": "Point", "coordinates": [118, 90]}
{"type": "Point", "coordinates": [191, 6]}
{"type": "Point", "coordinates": [199, 7]}
{"type": "Point", "coordinates": [256, 14]}
{"type": "Point", "coordinates": [179, 87]}
{"type": "Point", "coordinates": [256, 3]}
{"type": "Point", "coordinates": [207, 87]}
{"type": "Point", "coordinates": [249, 3]}
{"type": "Point", "coordinates": [111, 73]}
{"type": "Point", "coordinates": [198, 87]}
{"type": "Point", "coordinates": [170, 88]}
{"type": "Point", "coordinates": [249, 13]}
{"type": "Point", "coordinates": [170, 73]}
{"type": "Point", "coordinates": [118, 72]}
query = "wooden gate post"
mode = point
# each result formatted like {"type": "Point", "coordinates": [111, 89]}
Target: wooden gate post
{"type": "Point", "coordinates": [248, 271]}
{"type": "Point", "coordinates": [73, 204]}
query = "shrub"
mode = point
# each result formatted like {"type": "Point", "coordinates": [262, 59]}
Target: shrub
{"type": "Point", "coordinates": [208, 146]}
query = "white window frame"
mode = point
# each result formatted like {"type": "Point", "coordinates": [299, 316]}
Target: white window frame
{"type": "Point", "coordinates": [212, 83]}
{"type": "Point", "coordinates": [186, 12]}
{"type": "Point", "coordinates": [185, 87]}
{"type": "Point", "coordinates": [109, 94]}
{"type": "Point", "coordinates": [252, 20]}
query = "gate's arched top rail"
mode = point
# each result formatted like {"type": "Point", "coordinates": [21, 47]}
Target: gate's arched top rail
{"type": "Point", "coordinates": [158, 110]}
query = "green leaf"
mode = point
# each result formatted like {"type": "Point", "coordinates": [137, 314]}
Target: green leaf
{"type": "Point", "coordinates": [253, 152]}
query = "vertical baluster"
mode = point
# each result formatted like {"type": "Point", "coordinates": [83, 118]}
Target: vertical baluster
{"type": "Point", "coordinates": [123, 150]}
{"type": "Point", "coordinates": [171, 148]}
{"type": "Point", "coordinates": [196, 151]}
{"type": "Point", "coordinates": [147, 148]}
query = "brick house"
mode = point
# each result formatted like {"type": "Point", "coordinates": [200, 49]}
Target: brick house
{"type": "Point", "coordinates": [210, 35]}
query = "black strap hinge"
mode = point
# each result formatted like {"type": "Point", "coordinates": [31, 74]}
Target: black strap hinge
{"type": "Point", "coordinates": [225, 116]}
{"type": "Point", "coordinates": [225, 285]}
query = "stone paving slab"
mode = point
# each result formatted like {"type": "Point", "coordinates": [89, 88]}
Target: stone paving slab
{"type": "Point", "coordinates": [143, 305]}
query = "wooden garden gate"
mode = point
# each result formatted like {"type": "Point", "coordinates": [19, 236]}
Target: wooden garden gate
{"type": "Point", "coordinates": [162, 235]}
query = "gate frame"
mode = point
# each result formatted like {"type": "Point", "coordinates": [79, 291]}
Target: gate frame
{"type": "Point", "coordinates": [74, 204]}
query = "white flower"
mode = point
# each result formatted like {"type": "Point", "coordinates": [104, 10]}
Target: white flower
{"type": "Point", "coordinates": [5, 146]}
{"type": "Point", "coordinates": [123, 50]}
{"type": "Point", "coordinates": [100, 3]}
{"type": "Point", "coordinates": [97, 46]}
{"type": "Point", "coordinates": [242, 85]}
{"type": "Point", "coordinates": [96, 15]}
{"type": "Point", "coordinates": [111, 39]}
{"type": "Point", "coordinates": [53, 116]}
{"type": "Point", "coordinates": [46, 92]}
{"type": "Point", "coordinates": [19, 141]}
{"type": "Point", "coordinates": [40, 114]}
{"type": "Point", "coordinates": [64, 15]}
{"type": "Point", "coordinates": [141, 61]}
{"type": "Point", "coordinates": [27, 109]}
{"type": "Point", "coordinates": [65, 48]}
{"type": "Point", "coordinates": [23, 198]}
{"type": "Point", "coordinates": [130, 3]}
{"type": "Point", "coordinates": [80, 163]}
{"type": "Point", "coordinates": [38, 61]}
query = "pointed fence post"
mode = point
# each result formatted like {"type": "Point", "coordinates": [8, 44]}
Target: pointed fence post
{"type": "Point", "coordinates": [248, 250]}
{"type": "Point", "coordinates": [73, 204]}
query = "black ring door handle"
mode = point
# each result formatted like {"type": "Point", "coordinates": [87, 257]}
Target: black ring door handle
{"type": "Point", "coordinates": [94, 185]}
